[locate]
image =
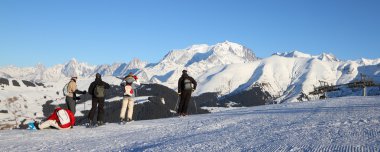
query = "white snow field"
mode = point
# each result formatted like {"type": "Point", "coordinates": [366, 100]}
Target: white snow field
{"type": "Point", "coordinates": [340, 124]}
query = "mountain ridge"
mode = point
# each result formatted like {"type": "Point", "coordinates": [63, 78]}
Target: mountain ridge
{"type": "Point", "coordinates": [225, 67]}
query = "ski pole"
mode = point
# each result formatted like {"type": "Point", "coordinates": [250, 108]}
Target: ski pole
{"type": "Point", "coordinates": [196, 109]}
{"type": "Point", "coordinates": [176, 105]}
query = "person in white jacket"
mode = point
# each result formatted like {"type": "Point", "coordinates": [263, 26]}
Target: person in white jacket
{"type": "Point", "coordinates": [129, 84]}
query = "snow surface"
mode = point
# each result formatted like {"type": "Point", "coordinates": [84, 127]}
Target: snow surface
{"type": "Point", "coordinates": [341, 124]}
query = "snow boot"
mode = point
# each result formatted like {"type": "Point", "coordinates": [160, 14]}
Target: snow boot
{"type": "Point", "coordinates": [36, 124]}
{"type": "Point", "coordinates": [90, 124]}
{"type": "Point", "coordinates": [129, 120]}
{"type": "Point", "coordinates": [122, 121]}
{"type": "Point", "coordinates": [100, 123]}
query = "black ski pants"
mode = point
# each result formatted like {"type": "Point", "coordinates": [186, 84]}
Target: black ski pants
{"type": "Point", "coordinates": [97, 103]}
{"type": "Point", "coordinates": [185, 99]}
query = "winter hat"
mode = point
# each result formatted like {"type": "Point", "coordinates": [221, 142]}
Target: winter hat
{"type": "Point", "coordinates": [74, 76]}
{"type": "Point", "coordinates": [130, 74]}
{"type": "Point", "coordinates": [98, 75]}
{"type": "Point", "coordinates": [184, 71]}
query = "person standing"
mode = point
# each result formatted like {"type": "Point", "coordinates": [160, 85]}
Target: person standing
{"type": "Point", "coordinates": [71, 96]}
{"type": "Point", "coordinates": [129, 83]}
{"type": "Point", "coordinates": [97, 91]}
{"type": "Point", "coordinates": [186, 85]}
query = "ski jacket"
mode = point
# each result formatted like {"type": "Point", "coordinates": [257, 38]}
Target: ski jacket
{"type": "Point", "coordinates": [98, 81]}
{"type": "Point", "coordinates": [73, 90]}
{"type": "Point", "coordinates": [181, 83]}
{"type": "Point", "coordinates": [54, 116]}
{"type": "Point", "coordinates": [72, 87]}
{"type": "Point", "coordinates": [134, 85]}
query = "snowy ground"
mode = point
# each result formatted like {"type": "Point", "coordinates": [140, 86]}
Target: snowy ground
{"type": "Point", "coordinates": [342, 124]}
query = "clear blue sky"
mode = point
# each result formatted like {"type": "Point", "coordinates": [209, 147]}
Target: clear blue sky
{"type": "Point", "coordinates": [98, 32]}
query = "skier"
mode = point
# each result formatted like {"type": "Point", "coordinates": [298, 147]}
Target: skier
{"type": "Point", "coordinates": [129, 83]}
{"type": "Point", "coordinates": [60, 119]}
{"type": "Point", "coordinates": [71, 95]}
{"type": "Point", "coordinates": [97, 91]}
{"type": "Point", "coordinates": [186, 85]}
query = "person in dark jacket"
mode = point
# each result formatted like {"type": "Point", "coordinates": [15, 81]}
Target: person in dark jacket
{"type": "Point", "coordinates": [186, 85]}
{"type": "Point", "coordinates": [97, 91]}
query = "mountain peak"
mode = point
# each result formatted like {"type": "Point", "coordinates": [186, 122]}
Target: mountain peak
{"type": "Point", "coordinates": [294, 54]}
{"type": "Point", "coordinates": [218, 54]}
{"type": "Point", "coordinates": [198, 47]}
{"type": "Point", "coordinates": [136, 63]}
{"type": "Point", "coordinates": [297, 54]}
{"type": "Point", "coordinates": [74, 68]}
{"type": "Point", "coordinates": [73, 60]}
{"type": "Point", "coordinates": [227, 44]}
{"type": "Point", "coordinates": [327, 57]}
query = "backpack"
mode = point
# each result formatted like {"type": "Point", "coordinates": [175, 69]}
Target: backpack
{"type": "Point", "coordinates": [129, 80]}
{"type": "Point", "coordinates": [63, 117]}
{"type": "Point", "coordinates": [187, 84]}
{"type": "Point", "coordinates": [65, 89]}
{"type": "Point", "coordinates": [99, 91]}
{"type": "Point", "coordinates": [128, 91]}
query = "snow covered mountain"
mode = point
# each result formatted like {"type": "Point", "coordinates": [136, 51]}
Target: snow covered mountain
{"type": "Point", "coordinates": [294, 54]}
{"type": "Point", "coordinates": [225, 67]}
{"type": "Point", "coordinates": [197, 59]}
{"type": "Point", "coordinates": [132, 66]}
{"type": "Point", "coordinates": [297, 54]}
{"type": "Point", "coordinates": [283, 76]}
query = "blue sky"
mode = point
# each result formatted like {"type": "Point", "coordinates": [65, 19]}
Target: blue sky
{"type": "Point", "coordinates": [104, 32]}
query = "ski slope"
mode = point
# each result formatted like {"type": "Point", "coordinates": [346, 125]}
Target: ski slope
{"type": "Point", "coordinates": [341, 124]}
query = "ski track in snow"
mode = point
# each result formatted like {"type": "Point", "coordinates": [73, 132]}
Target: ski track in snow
{"type": "Point", "coordinates": [342, 124]}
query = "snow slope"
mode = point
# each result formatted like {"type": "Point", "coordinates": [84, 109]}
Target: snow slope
{"type": "Point", "coordinates": [342, 124]}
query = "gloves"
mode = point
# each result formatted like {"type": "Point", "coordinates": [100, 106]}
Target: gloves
{"type": "Point", "coordinates": [77, 98]}
{"type": "Point", "coordinates": [84, 92]}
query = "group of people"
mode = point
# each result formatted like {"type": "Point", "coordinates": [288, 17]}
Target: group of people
{"type": "Point", "coordinates": [64, 118]}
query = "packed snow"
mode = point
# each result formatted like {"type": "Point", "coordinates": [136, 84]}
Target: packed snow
{"type": "Point", "coordinates": [341, 124]}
